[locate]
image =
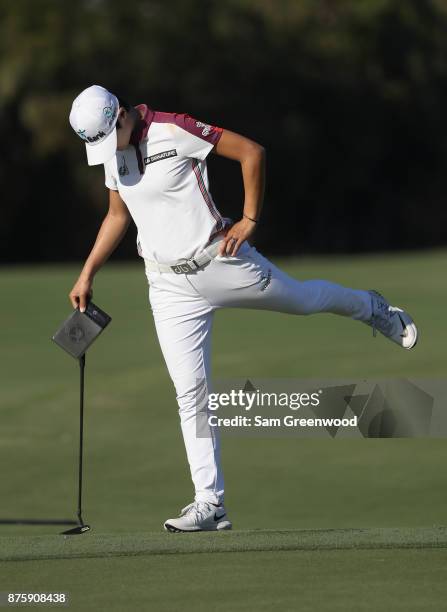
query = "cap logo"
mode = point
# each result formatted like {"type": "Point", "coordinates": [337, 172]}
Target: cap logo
{"type": "Point", "coordinates": [109, 113]}
{"type": "Point", "coordinates": [81, 134]}
{"type": "Point", "coordinates": [98, 136]}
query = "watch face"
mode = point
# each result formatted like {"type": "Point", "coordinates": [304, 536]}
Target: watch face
{"type": "Point", "coordinates": [78, 332]}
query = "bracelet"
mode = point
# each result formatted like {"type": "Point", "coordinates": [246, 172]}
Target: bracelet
{"type": "Point", "coordinates": [249, 218]}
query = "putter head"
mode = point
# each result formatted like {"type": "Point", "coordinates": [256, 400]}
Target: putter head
{"type": "Point", "coordinates": [76, 530]}
{"type": "Point", "coordinates": [78, 332]}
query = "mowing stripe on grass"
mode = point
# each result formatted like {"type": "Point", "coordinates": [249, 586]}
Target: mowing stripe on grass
{"type": "Point", "coordinates": [24, 548]}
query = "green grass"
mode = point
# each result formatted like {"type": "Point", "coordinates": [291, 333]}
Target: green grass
{"type": "Point", "coordinates": [23, 548]}
{"type": "Point", "coordinates": [136, 474]}
{"type": "Point", "coordinates": [308, 581]}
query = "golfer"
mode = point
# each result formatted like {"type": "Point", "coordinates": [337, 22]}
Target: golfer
{"type": "Point", "coordinates": [196, 260]}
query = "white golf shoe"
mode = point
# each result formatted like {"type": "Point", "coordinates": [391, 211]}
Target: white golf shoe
{"type": "Point", "coordinates": [199, 516]}
{"type": "Point", "coordinates": [394, 323]}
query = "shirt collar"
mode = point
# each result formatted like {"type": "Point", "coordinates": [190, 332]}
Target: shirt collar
{"type": "Point", "coordinates": [139, 133]}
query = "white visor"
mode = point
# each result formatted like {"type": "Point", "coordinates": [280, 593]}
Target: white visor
{"type": "Point", "coordinates": [103, 151]}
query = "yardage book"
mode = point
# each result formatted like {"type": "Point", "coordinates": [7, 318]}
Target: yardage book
{"type": "Point", "coordinates": [81, 329]}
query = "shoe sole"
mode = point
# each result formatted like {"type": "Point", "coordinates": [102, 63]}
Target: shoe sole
{"type": "Point", "coordinates": [409, 324]}
{"type": "Point", "coordinates": [173, 529]}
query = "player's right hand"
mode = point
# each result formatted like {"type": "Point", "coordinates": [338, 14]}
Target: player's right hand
{"type": "Point", "coordinates": [81, 293]}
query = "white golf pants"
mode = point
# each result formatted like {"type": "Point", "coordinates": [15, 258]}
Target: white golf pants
{"type": "Point", "coordinates": [183, 307]}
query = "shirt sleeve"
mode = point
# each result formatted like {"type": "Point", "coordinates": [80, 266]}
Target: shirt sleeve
{"type": "Point", "coordinates": [110, 180]}
{"type": "Point", "coordinates": [195, 138]}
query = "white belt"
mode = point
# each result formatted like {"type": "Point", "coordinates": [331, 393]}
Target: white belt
{"type": "Point", "coordinates": [186, 266]}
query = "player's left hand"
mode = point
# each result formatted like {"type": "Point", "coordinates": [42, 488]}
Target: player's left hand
{"type": "Point", "coordinates": [235, 236]}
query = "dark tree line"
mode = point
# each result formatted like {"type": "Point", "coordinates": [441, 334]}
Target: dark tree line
{"type": "Point", "coordinates": [349, 98]}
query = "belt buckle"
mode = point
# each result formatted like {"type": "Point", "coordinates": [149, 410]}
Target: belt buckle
{"type": "Point", "coordinates": [183, 268]}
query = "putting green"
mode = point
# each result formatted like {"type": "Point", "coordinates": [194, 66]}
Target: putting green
{"type": "Point", "coordinates": [109, 545]}
{"type": "Point", "coordinates": [307, 580]}
{"type": "Point", "coordinates": [299, 507]}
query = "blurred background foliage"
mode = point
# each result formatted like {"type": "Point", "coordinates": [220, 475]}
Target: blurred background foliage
{"type": "Point", "coordinates": [349, 98]}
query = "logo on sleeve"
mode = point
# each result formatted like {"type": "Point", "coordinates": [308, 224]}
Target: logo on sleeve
{"type": "Point", "coordinates": [159, 156]}
{"type": "Point", "coordinates": [206, 128]}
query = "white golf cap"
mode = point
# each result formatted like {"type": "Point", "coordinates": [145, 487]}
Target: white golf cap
{"type": "Point", "coordinates": [93, 117]}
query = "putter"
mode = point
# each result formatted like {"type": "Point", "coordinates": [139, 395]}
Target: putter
{"type": "Point", "coordinates": [75, 335]}
{"type": "Point", "coordinates": [82, 527]}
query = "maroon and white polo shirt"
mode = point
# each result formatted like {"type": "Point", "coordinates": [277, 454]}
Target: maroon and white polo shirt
{"type": "Point", "coordinates": [162, 177]}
